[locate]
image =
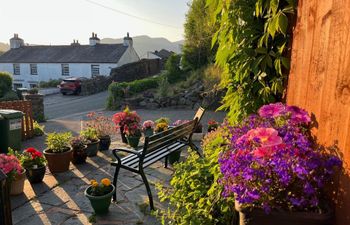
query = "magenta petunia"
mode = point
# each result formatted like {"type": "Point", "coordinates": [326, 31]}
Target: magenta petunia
{"type": "Point", "coordinates": [298, 115]}
{"type": "Point", "coordinates": [267, 136]}
{"type": "Point", "coordinates": [272, 110]}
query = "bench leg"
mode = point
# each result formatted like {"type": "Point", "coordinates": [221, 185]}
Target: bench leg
{"type": "Point", "coordinates": [194, 147]}
{"type": "Point", "coordinates": [115, 179]}
{"type": "Point", "coordinates": [166, 162]}
{"type": "Point", "coordinates": [148, 189]}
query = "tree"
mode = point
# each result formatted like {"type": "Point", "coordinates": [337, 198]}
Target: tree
{"type": "Point", "coordinates": [173, 70]}
{"type": "Point", "coordinates": [199, 31]}
{"type": "Point", "coordinates": [5, 83]}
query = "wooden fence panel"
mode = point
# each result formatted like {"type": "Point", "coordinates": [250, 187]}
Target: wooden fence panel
{"type": "Point", "coordinates": [320, 78]}
{"type": "Point", "coordinates": [27, 121]}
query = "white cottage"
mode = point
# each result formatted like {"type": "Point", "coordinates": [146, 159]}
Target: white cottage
{"type": "Point", "coordinates": [32, 64]}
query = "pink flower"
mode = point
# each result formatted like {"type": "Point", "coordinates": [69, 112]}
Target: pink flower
{"type": "Point", "coordinates": [272, 110]}
{"type": "Point", "coordinates": [262, 152]}
{"type": "Point", "coordinates": [267, 136]}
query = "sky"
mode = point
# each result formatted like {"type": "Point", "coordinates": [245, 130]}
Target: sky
{"type": "Point", "coordinates": [61, 21]}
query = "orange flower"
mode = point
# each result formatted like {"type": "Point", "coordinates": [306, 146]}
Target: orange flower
{"type": "Point", "coordinates": [106, 182]}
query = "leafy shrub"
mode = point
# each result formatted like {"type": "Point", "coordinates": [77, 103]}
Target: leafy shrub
{"type": "Point", "coordinates": [195, 196]}
{"type": "Point", "coordinates": [38, 129]}
{"type": "Point", "coordinates": [58, 142]}
{"type": "Point", "coordinates": [212, 77]}
{"type": "Point", "coordinates": [164, 86]}
{"type": "Point", "coordinates": [117, 91]}
{"type": "Point", "coordinates": [174, 72]}
{"type": "Point", "coordinates": [90, 134]}
{"type": "Point", "coordinates": [5, 83]}
{"type": "Point", "coordinates": [50, 83]}
{"type": "Point", "coordinates": [9, 96]}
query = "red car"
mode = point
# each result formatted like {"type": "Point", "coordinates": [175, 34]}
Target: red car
{"type": "Point", "coordinates": [70, 85]}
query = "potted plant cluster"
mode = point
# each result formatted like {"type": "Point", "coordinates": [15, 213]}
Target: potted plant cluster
{"type": "Point", "coordinates": [104, 128]}
{"type": "Point", "coordinates": [148, 128]}
{"type": "Point", "coordinates": [212, 125]}
{"type": "Point", "coordinates": [58, 153]}
{"type": "Point", "coordinates": [126, 117]}
{"type": "Point", "coordinates": [162, 124]}
{"type": "Point", "coordinates": [100, 195]}
{"type": "Point", "coordinates": [92, 141]}
{"type": "Point", "coordinates": [35, 164]}
{"type": "Point", "coordinates": [79, 147]}
{"type": "Point", "coordinates": [15, 173]}
{"type": "Point", "coordinates": [276, 171]}
{"type": "Point", "coordinates": [133, 133]}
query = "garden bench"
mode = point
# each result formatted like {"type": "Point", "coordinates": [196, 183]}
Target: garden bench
{"type": "Point", "coordinates": [155, 148]}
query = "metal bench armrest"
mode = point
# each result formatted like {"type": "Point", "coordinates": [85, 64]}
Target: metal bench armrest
{"type": "Point", "coordinates": [114, 151]}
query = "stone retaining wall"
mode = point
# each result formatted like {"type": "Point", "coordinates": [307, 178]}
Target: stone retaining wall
{"type": "Point", "coordinates": [37, 106]}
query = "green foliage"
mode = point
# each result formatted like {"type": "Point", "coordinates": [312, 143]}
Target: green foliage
{"type": "Point", "coordinates": [164, 86]}
{"type": "Point", "coordinates": [199, 31]}
{"type": "Point", "coordinates": [58, 142]}
{"type": "Point", "coordinates": [5, 83]}
{"type": "Point", "coordinates": [172, 66]}
{"type": "Point", "coordinates": [9, 96]}
{"type": "Point", "coordinates": [252, 43]}
{"type": "Point", "coordinates": [117, 91]}
{"type": "Point", "coordinates": [50, 83]}
{"type": "Point", "coordinates": [195, 196]}
{"type": "Point", "coordinates": [89, 134]}
{"type": "Point", "coordinates": [38, 129]}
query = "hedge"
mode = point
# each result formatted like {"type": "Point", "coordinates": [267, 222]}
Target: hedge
{"type": "Point", "coordinates": [117, 91]}
{"type": "Point", "coordinates": [5, 83]}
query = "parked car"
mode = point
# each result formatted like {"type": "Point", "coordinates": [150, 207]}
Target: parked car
{"type": "Point", "coordinates": [71, 85]}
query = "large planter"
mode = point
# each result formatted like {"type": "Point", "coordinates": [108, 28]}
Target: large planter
{"type": "Point", "coordinates": [79, 155]}
{"type": "Point", "coordinates": [133, 141]}
{"type": "Point", "coordinates": [122, 134]}
{"type": "Point", "coordinates": [105, 142]}
{"type": "Point", "coordinates": [174, 157]}
{"type": "Point", "coordinates": [17, 184]}
{"type": "Point", "coordinates": [148, 132]}
{"type": "Point", "coordinates": [100, 204]}
{"type": "Point", "coordinates": [259, 217]}
{"type": "Point", "coordinates": [58, 162]}
{"type": "Point", "coordinates": [35, 175]}
{"type": "Point", "coordinates": [92, 148]}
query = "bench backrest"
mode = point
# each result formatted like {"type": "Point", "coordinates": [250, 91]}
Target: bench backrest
{"type": "Point", "coordinates": [168, 137]}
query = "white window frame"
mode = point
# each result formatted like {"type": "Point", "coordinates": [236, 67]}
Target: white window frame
{"type": "Point", "coordinates": [16, 69]}
{"type": "Point", "coordinates": [17, 85]}
{"type": "Point", "coordinates": [65, 69]}
{"type": "Point", "coordinates": [33, 69]}
{"type": "Point", "coordinates": [95, 70]}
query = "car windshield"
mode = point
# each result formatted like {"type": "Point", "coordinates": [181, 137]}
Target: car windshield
{"type": "Point", "coordinates": [69, 81]}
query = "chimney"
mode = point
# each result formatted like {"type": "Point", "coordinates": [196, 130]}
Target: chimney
{"type": "Point", "coordinates": [16, 42]}
{"type": "Point", "coordinates": [93, 40]}
{"type": "Point", "coordinates": [128, 40]}
{"type": "Point", "coordinates": [75, 43]}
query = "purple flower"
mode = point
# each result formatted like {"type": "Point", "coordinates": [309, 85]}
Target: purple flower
{"type": "Point", "coordinates": [272, 110]}
{"type": "Point", "coordinates": [298, 115]}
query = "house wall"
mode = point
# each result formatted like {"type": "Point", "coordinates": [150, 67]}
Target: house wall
{"type": "Point", "coordinates": [47, 71]}
{"type": "Point", "coordinates": [129, 56]}
{"type": "Point", "coordinates": [319, 81]}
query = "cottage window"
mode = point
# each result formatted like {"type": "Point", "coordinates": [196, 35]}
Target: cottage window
{"type": "Point", "coordinates": [17, 85]}
{"type": "Point", "coordinates": [65, 69]}
{"type": "Point", "coordinates": [33, 69]}
{"type": "Point", "coordinates": [16, 69]}
{"type": "Point", "coordinates": [95, 70]}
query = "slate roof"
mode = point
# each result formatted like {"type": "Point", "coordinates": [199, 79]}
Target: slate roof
{"type": "Point", "coordinates": [100, 53]}
{"type": "Point", "coordinates": [164, 54]}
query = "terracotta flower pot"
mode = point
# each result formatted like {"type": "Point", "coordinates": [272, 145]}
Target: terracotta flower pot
{"type": "Point", "coordinates": [79, 155]}
{"type": "Point", "coordinates": [105, 142]}
{"type": "Point", "coordinates": [100, 204]}
{"type": "Point", "coordinates": [58, 162]}
{"type": "Point", "coordinates": [92, 148]}
{"type": "Point", "coordinates": [133, 141]}
{"type": "Point", "coordinates": [249, 216]}
{"type": "Point", "coordinates": [35, 175]}
{"type": "Point", "coordinates": [17, 184]}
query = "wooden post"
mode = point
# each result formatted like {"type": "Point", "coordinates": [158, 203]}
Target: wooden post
{"type": "Point", "coordinates": [5, 203]}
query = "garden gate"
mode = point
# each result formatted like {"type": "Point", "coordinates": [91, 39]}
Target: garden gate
{"type": "Point", "coordinates": [27, 121]}
{"type": "Point", "coordinates": [319, 80]}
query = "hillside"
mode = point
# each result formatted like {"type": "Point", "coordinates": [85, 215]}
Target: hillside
{"type": "Point", "coordinates": [143, 44]}
{"type": "Point", "coordinates": [4, 47]}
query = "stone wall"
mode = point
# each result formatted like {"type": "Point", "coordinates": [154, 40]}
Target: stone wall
{"type": "Point", "coordinates": [95, 85]}
{"type": "Point", "coordinates": [37, 106]}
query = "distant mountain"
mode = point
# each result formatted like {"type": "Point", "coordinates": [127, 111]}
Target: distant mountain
{"type": "Point", "coordinates": [4, 47]}
{"type": "Point", "coordinates": [144, 44]}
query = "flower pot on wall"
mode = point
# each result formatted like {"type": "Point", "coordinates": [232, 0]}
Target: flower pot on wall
{"type": "Point", "coordinates": [100, 204]}
{"type": "Point", "coordinates": [17, 184]}
{"type": "Point", "coordinates": [36, 175]}
{"type": "Point", "coordinates": [133, 141]}
{"type": "Point", "coordinates": [58, 162]}
{"type": "Point", "coordinates": [248, 216]}
{"type": "Point", "coordinates": [92, 148]}
{"type": "Point", "coordinates": [105, 142]}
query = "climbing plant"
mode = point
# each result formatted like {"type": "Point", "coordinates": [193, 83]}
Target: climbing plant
{"type": "Point", "coordinates": [253, 41]}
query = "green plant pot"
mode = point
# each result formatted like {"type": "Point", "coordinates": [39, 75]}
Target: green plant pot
{"type": "Point", "coordinates": [92, 149]}
{"type": "Point", "coordinates": [148, 132]}
{"type": "Point", "coordinates": [174, 157]}
{"type": "Point", "coordinates": [100, 204]}
{"type": "Point", "coordinates": [133, 141]}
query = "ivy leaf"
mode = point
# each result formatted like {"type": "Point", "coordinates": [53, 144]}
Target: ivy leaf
{"type": "Point", "coordinates": [283, 23]}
